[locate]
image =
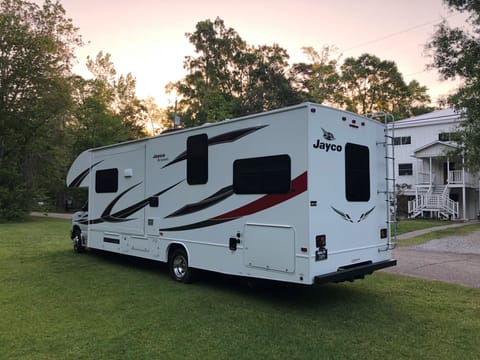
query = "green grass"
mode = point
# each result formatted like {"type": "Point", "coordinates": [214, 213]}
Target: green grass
{"type": "Point", "coordinates": [405, 226]}
{"type": "Point", "coordinates": [438, 234]}
{"type": "Point", "coordinates": [55, 304]}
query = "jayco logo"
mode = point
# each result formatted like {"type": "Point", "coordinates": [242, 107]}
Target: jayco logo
{"type": "Point", "coordinates": [327, 146]}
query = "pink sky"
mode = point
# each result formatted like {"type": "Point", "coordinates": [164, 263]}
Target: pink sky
{"type": "Point", "coordinates": [147, 37]}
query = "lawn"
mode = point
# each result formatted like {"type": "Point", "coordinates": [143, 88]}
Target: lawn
{"type": "Point", "coordinates": [405, 226]}
{"type": "Point", "coordinates": [438, 234]}
{"type": "Point", "coordinates": [55, 304]}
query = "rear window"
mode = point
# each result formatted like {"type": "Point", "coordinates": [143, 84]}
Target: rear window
{"type": "Point", "coordinates": [357, 172]}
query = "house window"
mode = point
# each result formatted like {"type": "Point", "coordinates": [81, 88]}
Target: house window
{"type": "Point", "coordinates": [262, 175]}
{"type": "Point", "coordinates": [402, 140]}
{"type": "Point", "coordinates": [357, 172]}
{"type": "Point", "coordinates": [197, 159]}
{"type": "Point", "coordinates": [106, 181]}
{"type": "Point", "coordinates": [405, 169]}
{"type": "Point", "coordinates": [448, 136]}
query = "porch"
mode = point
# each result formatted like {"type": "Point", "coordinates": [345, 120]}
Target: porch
{"type": "Point", "coordinates": [443, 189]}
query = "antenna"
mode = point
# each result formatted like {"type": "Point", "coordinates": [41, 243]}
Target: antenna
{"type": "Point", "coordinates": [176, 119]}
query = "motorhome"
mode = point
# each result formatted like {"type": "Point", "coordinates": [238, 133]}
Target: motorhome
{"type": "Point", "coordinates": [298, 194]}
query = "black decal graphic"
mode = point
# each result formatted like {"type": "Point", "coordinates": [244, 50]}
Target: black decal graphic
{"type": "Point", "coordinates": [78, 180]}
{"type": "Point", "coordinates": [347, 217]}
{"type": "Point", "coordinates": [205, 203]}
{"type": "Point", "coordinates": [230, 136]}
{"type": "Point", "coordinates": [327, 135]}
{"type": "Point", "coordinates": [343, 215]}
{"type": "Point", "coordinates": [122, 215]}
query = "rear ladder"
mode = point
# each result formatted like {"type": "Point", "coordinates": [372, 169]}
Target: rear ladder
{"type": "Point", "coordinates": [390, 184]}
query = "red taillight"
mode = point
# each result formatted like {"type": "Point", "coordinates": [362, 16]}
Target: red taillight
{"type": "Point", "coordinates": [321, 241]}
{"type": "Point", "coordinates": [383, 233]}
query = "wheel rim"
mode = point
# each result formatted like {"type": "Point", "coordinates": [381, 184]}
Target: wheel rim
{"type": "Point", "coordinates": [180, 267]}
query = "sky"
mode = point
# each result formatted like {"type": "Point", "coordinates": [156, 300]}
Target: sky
{"type": "Point", "coordinates": [147, 37]}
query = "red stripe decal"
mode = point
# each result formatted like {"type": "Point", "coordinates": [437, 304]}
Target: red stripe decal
{"type": "Point", "coordinates": [299, 185]}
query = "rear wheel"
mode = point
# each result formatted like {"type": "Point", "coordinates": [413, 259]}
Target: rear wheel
{"type": "Point", "coordinates": [77, 241]}
{"type": "Point", "coordinates": [179, 268]}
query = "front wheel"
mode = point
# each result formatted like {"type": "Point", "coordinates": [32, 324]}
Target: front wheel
{"type": "Point", "coordinates": [77, 241]}
{"type": "Point", "coordinates": [178, 266]}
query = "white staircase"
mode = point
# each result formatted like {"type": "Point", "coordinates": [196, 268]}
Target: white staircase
{"type": "Point", "coordinates": [434, 201]}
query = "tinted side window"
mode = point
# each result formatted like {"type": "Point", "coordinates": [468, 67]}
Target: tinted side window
{"type": "Point", "coordinates": [197, 159]}
{"type": "Point", "coordinates": [357, 172]}
{"type": "Point", "coordinates": [262, 175]}
{"type": "Point", "coordinates": [106, 181]}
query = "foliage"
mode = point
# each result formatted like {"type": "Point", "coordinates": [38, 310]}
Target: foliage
{"type": "Point", "coordinates": [228, 78]}
{"type": "Point", "coordinates": [456, 53]}
{"type": "Point", "coordinates": [371, 85]}
{"type": "Point", "coordinates": [363, 85]}
{"type": "Point", "coordinates": [61, 305]}
{"type": "Point", "coordinates": [36, 53]}
{"type": "Point", "coordinates": [319, 80]}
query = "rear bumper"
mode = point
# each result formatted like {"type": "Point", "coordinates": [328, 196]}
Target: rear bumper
{"type": "Point", "coordinates": [351, 273]}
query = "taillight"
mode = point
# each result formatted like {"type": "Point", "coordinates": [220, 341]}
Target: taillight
{"type": "Point", "coordinates": [321, 241]}
{"type": "Point", "coordinates": [321, 244]}
{"type": "Point", "coordinates": [383, 233]}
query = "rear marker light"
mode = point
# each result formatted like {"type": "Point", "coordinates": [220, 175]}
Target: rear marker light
{"type": "Point", "coordinates": [304, 249]}
{"type": "Point", "coordinates": [383, 233]}
{"type": "Point", "coordinates": [313, 110]}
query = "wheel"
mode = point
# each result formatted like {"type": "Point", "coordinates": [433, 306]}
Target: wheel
{"type": "Point", "coordinates": [178, 266]}
{"type": "Point", "coordinates": [77, 241]}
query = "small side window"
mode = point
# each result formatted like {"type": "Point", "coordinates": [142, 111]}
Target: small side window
{"type": "Point", "coordinates": [106, 181]}
{"type": "Point", "coordinates": [197, 159]}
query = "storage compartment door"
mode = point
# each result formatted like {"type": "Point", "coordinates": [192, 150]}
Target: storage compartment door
{"type": "Point", "coordinates": [269, 247]}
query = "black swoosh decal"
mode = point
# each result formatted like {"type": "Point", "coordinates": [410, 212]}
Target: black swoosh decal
{"type": "Point", "coordinates": [220, 139]}
{"type": "Point", "coordinates": [220, 195]}
{"type": "Point", "coordinates": [78, 180]}
{"type": "Point", "coordinates": [108, 209]}
{"type": "Point", "coordinates": [122, 215]}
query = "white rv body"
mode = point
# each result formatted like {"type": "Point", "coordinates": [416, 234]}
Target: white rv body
{"type": "Point", "coordinates": [296, 195]}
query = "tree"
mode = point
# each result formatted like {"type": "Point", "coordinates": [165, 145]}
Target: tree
{"type": "Point", "coordinates": [456, 53]}
{"type": "Point", "coordinates": [265, 82]}
{"type": "Point", "coordinates": [371, 85]}
{"type": "Point", "coordinates": [104, 108]}
{"type": "Point", "coordinates": [319, 80]}
{"type": "Point", "coordinates": [36, 52]}
{"type": "Point", "coordinates": [154, 118]}
{"type": "Point", "coordinates": [118, 95]}
{"type": "Point", "coordinates": [228, 78]}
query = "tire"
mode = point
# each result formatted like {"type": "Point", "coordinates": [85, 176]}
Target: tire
{"type": "Point", "coordinates": [77, 241]}
{"type": "Point", "coordinates": [178, 266]}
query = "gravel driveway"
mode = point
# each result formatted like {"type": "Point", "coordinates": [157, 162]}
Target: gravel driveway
{"type": "Point", "coordinates": [452, 259]}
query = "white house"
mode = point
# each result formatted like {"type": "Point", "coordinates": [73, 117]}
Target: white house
{"type": "Point", "coordinates": [431, 182]}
